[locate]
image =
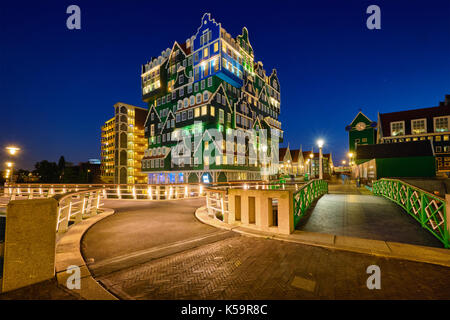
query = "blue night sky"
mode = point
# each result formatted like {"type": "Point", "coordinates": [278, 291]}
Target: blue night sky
{"type": "Point", "coordinates": [58, 86]}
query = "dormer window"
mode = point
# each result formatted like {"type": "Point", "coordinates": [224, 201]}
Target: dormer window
{"type": "Point", "coordinates": [398, 128]}
{"type": "Point", "coordinates": [441, 124]}
{"type": "Point", "coordinates": [418, 126]}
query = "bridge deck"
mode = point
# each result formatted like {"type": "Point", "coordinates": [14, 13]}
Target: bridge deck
{"type": "Point", "coordinates": [347, 212]}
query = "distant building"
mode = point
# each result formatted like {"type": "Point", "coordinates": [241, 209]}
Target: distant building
{"type": "Point", "coordinates": [291, 162]}
{"type": "Point", "coordinates": [361, 131]}
{"type": "Point", "coordinates": [123, 145]}
{"type": "Point", "coordinates": [431, 124]}
{"type": "Point", "coordinates": [311, 166]}
{"type": "Point", "coordinates": [107, 151]}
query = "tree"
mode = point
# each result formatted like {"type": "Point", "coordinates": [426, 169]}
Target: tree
{"type": "Point", "coordinates": [47, 171]}
{"type": "Point", "coordinates": [61, 168]}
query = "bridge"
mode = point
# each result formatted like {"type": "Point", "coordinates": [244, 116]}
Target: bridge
{"type": "Point", "coordinates": [256, 241]}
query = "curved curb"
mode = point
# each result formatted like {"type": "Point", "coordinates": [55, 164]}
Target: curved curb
{"type": "Point", "coordinates": [379, 248]}
{"type": "Point", "coordinates": [68, 255]}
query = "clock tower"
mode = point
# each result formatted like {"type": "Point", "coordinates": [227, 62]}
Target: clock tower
{"type": "Point", "coordinates": [360, 131]}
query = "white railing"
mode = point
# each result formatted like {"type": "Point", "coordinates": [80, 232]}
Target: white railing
{"type": "Point", "coordinates": [217, 203]}
{"type": "Point", "coordinates": [76, 206]}
{"type": "Point", "coordinates": [108, 191]}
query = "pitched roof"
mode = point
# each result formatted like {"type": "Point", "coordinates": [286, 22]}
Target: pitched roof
{"type": "Point", "coordinates": [408, 115]}
{"type": "Point", "coordinates": [295, 155]}
{"type": "Point", "coordinates": [395, 150]}
{"type": "Point", "coordinates": [282, 153]}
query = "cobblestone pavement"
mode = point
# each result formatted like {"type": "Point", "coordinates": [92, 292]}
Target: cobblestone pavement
{"type": "Point", "coordinates": [243, 267]}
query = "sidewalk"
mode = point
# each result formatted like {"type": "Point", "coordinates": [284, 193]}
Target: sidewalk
{"type": "Point", "coordinates": [379, 248]}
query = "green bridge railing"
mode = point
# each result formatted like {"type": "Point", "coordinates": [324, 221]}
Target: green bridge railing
{"type": "Point", "coordinates": [306, 195]}
{"type": "Point", "coordinates": [429, 210]}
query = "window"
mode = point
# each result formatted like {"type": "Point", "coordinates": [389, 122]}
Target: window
{"type": "Point", "coordinates": [161, 163]}
{"type": "Point", "coordinates": [206, 69]}
{"type": "Point", "coordinates": [196, 57]}
{"type": "Point", "coordinates": [178, 117]}
{"type": "Point", "coordinates": [202, 84]}
{"type": "Point", "coordinates": [192, 100]}
{"type": "Point", "coordinates": [221, 116]}
{"type": "Point", "coordinates": [418, 126]}
{"type": "Point", "coordinates": [196, 87]}
{"type": "Point", "coordinates": [183, 116]}
{"type": "Point", "coordinates": [181, 92]}
{"type": "Point", "coordinates": [204, 110]}
{"type": "Point", "coordinates": [197, 112]}
{"type": "Point", "coordinates": [189, 89]}
{"type": "Point", "coordinates": [397, 128]}
{"type": "Point", "coordinates": [441, 124]}
{"type": "Point", "coordinates": [438, 149]}
{"type": "Point", "coordinates": [216, 46]}
{"type": "Point", "coordinates": [205, 95]}
{"type": "Point", "coordinates": [437, 138]}
{"type": "Point", "coordinates": [218, 97]}
{"type": "Point", "coordinates": [364, 139]}
{"type": "Point", "coordinates": [209, 81]}
{"type": "Point", "coordinates": [186, 102]}
{"type": "Point", "coordinates": [212, 112]}
{"type": "Point", "coordinates": [199, 98]}
{"type": "Point", "coordinates": [190, 114]}
{"type": "Point", "coordinates": [205, 53]}
{"type": "Point", "coordinates": [179, 105]}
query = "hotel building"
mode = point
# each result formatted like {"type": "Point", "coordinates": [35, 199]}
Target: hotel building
{"type": "Point", "coordinates": [211, 81]}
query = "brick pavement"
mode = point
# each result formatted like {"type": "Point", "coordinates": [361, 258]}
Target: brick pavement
{"type": "Point", "coordinates": [254, 268]}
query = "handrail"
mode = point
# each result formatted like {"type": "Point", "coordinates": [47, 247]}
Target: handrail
{"type": "Point", "coordinates": [428, 209]}
{"type": "Point", "coordinates": [306, 195]}
{"type": "Point", "coordinates": [76, 206]}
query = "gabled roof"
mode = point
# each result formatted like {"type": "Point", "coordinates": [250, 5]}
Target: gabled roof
{"type": "Point", "coordinates": [358, 115]}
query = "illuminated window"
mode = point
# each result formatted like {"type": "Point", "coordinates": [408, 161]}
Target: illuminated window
{"type": "Point", "coordinates": [418, 126]}
{"type": "Point", "coordinates": [212, 111]}
{"type": "Point", "coordinates": [437, 138]}
{"type": "Point", "coordinates": [205, 53]}
{"type": "Point", "coordinates": [397, 128]}
{"type": "Point", "coordinates": [216, 46]}
{"type": "Point", "coordinates": [204, 110]}
{"type": "Point", "coordinates": [441, 124]}
{"type": "Point", "coordinates": [197, 112]}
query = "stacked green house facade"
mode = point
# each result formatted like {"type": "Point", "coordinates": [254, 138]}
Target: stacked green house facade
{"type": "Point", "coordinates": [209, 82]}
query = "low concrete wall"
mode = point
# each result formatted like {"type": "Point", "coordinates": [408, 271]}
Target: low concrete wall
{"type": "Point", "coordinates": [30, 239]}
{"type": "Point", "coordinates": [253, 208]}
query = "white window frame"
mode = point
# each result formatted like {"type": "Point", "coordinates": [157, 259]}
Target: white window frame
{"type": "Point", "coordinates": [395, 122]}
{"type": "Point", "coordinates": [415, 120]}
{"type": "Point", "coordinates": [434, 123]}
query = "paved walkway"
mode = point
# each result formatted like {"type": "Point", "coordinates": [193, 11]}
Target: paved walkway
{"type": "Point", "coordinates": [160, 251]}
{"type": "Point", "coordinates": [346, 212]}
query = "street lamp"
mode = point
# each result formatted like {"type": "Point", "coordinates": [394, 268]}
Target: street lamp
{"type": "Point", "coordinates": [9, 171]}
{"type": "Point", "coordinates": [311, 156]}
{"type": "Point", "coordinates": [12, 150]}
{"type": "Point", "coordinates": [320, 143]}
{"type": "Point", "coordinates": [350, 155]}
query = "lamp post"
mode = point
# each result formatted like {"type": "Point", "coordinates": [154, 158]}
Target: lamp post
{"type": "Point", "coordinates": [12, 150]}
{"type": "Point", "coordinates": [9, 171]}
{"type": "Point", "coordinates": [311, 156]}
{"type": "Point", "coordinates": [320, 143]}
{"type": "Point", "coordinates": [350, 155]}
